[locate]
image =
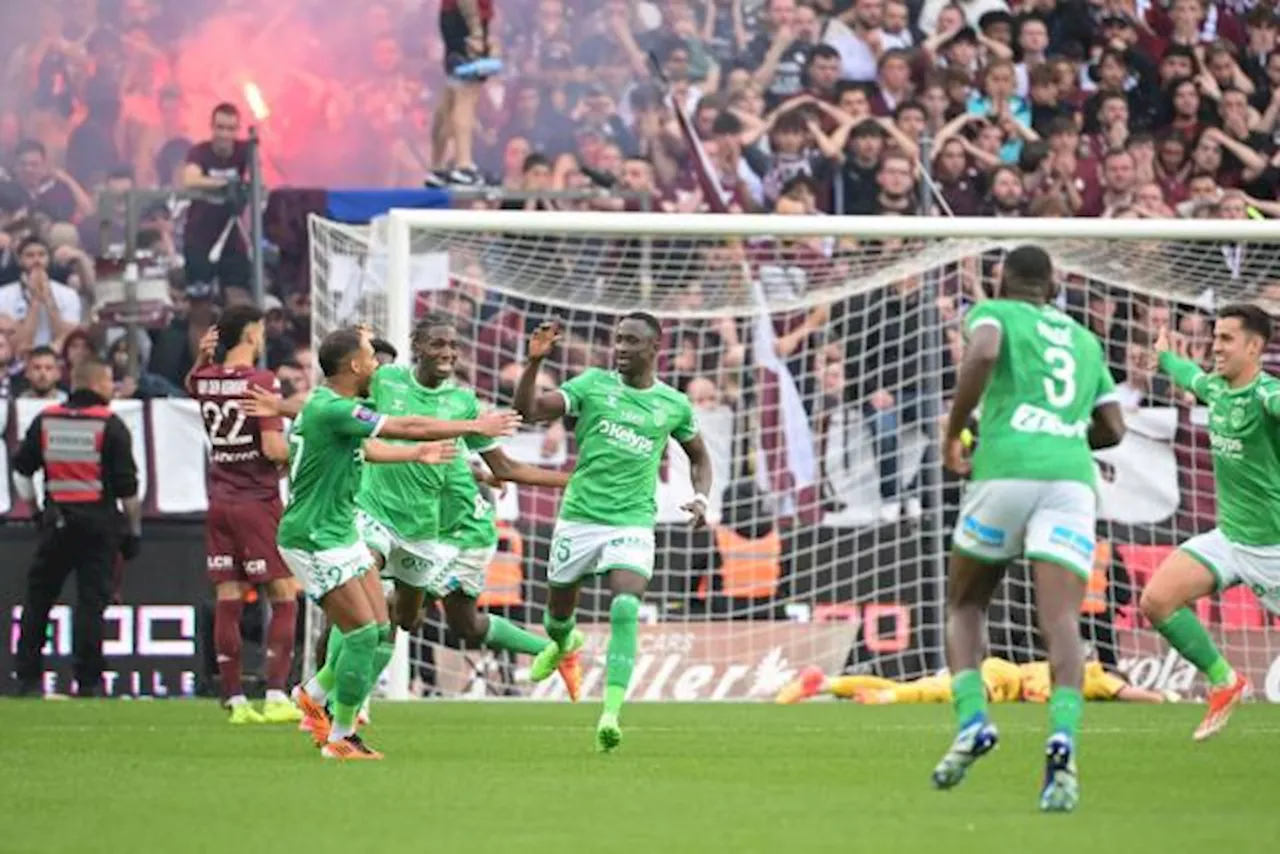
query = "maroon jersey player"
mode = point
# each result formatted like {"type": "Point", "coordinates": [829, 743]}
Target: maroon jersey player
{"type": "Point", "coordinates": [245, 453]}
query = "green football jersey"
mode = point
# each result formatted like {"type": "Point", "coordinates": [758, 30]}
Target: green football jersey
{"type": "Point", "coordinates": [1048, 379]}
{"type": "Point", "coordinates": [1245, 442]}
{"type": "Point", "coordinates": [406, 496]}
{"type": "Point", "coordinates": [325, 459]}
{"type": "Point", "coordinates": [622, 434]}
{"type": "Point", "coordinates": [467, 518]}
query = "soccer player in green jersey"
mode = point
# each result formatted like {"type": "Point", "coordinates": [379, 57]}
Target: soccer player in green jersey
{"type": "Point", "coordinates": [429, 528]}
{"type": "Point", "coordinates": [332, 436]}
{"type": "Point", "coordinates": [624, 420]}
{"type": "Point", "coordinates": [1047, 398]}
{"type": "Point", "coordinates": [1244, 434]}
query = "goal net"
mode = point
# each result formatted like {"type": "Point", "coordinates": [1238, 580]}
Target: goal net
{"type": "Point", "coordinates": [820, 355]}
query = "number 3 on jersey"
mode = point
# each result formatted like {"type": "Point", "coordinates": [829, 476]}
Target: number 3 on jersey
{"type": "Point", "coordinates": [1060, 385]}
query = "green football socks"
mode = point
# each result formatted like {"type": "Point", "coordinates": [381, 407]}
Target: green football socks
{"type": "Point", "coordinates": [621, 659]}
{"type": "Point", "coordinates": [503, 634]}
{"type": "Point", "coordinates": [559, 630]}
{"type": "Point", "coordinates": [322, 684]}
{"type": "Point", "coordinates": [1185, 634]}
{"type": "Point", "coordinates": [382, 655]}
{"type": "Point", "coordinates": [968, 696]}
{"type": "Point", "coordinates": [1066, 706]}
{"type": "Point", "coordinates": [354, 667]}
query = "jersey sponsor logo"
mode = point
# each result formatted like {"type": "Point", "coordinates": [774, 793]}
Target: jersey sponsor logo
{"type": "Point", "coordinates": [1028, 418]}
{"type": "Point", "coordinates": [622, 436]}
{"type": "Point", "coordinates": [983, 533]}
{"type": "Point", "coordinates": [363, 413]}
{"type": "Point", "coordinates": [215, 562]}
{"type": "Point", "coordinates": [1074, 541]}
{"type": "Point", "coordinates": [255, 567]}
{"type": "Point", "coordinates": [631, 416]}
{"type": "Point", "coordinates": [1226, 446]}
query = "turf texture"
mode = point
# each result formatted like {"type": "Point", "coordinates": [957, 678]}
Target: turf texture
{"type": "Point", "coordinates": [116, 776]}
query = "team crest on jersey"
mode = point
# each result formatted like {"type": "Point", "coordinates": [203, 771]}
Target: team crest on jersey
{"type": "Point", "coordinates": [1236, 418]}
{"type": "Point", "coordinates": [659, 417]}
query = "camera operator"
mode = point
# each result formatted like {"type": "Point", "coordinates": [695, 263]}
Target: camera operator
{"type": "Point", "coordinates": [87, 456]}
{"type": "Point", "coordinates": [216, 251]}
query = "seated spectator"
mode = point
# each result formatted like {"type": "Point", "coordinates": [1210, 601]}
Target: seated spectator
{"type": "Point", "coordinates": [42, 376]}
{"type": "Point", "coordinates": [46, 311]}
{"type": "Point", "coordinates": [146, 385]}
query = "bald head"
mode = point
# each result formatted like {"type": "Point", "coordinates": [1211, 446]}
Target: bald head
{"type": "Point", "coordinates": [93, 375]}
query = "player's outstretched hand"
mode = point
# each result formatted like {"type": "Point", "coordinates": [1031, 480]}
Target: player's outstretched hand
{"type": "Point", "coordinates": [544, 338]}
{"type": "Point", "coordinates": [957, 457]}
{"type": "Point", "coordinates": [434, 453]}
{"type": "Point", "coordinates": [497, 423]}
{"type": "Point", "coordinates": [261, 403]}
{"type": "Point", "coordinates": [697, 510]}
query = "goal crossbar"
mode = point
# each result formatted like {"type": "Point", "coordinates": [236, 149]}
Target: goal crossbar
{"type": "Point", "coordinates": [868, 227]}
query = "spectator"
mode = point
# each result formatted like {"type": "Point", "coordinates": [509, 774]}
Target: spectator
{"type": "Point", "coordinates": [1142, 386]}
{"type": "Point", "coordinates": [46, 190]}
{"type": "Point", "coordinates": [1006, 197]}
{"type": "Point", "coordinates": [42, 376]}
{"type": "Point", "coordinates": [294, 380]}
{"type": "Point", "coordinates": [145, 385]}
{"type": "Point", "coordinates": [46, 310]}
{"type": "Point", "coordinates": [897, 189]}
{"type": "Point", "coordinates": [777, 54]}
{"type": "Point", "coordinates": [218, 164]}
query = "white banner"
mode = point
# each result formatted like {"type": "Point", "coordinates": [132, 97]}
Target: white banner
{"type": "Point", "coordinates": [1139, 485]}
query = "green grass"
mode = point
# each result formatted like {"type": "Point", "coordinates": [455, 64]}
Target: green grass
{"type": "Point", "coordinates": [114, 776]}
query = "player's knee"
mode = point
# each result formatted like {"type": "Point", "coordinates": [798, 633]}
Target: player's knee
{"type": "Point", "coordinates": [1156, 604]}
{"type": "Point", "coordinates": [624, 609]}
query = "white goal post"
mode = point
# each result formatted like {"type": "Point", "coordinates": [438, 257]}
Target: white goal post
{"type": "Point", "coordinates": [819, 352]}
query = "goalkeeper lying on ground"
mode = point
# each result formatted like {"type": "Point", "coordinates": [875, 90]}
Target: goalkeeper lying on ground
{"type": "Point", "coordinates": [1006, 682]}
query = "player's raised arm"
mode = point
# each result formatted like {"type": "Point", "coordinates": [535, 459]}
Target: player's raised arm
{"type": "Point", "coordinates": [420, 428]}
{"type": "Point", "coordinates": [980, 356]}
{"type": "Point", "coordinates": [513, 471]}
{"type": "Point", "coordinates": [1184, 372]}
{"type": "Point", "coordinates": [546, 406]}
{"type": "Point", "coordinates": [204, 356]}
{"type": "Point", "coordinates": [264, 403]}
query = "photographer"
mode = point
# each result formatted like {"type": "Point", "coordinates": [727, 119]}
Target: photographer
{"type": "Point", "coordinates": [216, 251]}
{"type": "Point", "coordinates": [87, 456]}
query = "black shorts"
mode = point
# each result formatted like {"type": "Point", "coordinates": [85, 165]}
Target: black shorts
{"type": "Point", "coordinates": [206, 279]}
{"type": "Point", "coordinates": [454, 31]}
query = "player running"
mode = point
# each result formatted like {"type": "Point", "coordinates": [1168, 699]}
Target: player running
{"type": "Point", "coordinates": [244, 510]}
{"type": "Point", "coordinates": [1047, 399]}
{"type": "Point", "coordinates": [318, 539]}
{"type": "Point", "coordinates": [1004, 681]}
{"type": "Point", "coordinates": [428, 527]}
{"type": "Point", "coordinates": [1244, 408]}
{"type": "Point", "coordinates": [624, 420]}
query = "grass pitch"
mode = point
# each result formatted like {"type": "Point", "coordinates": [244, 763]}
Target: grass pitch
{"type": "Point", "coordinates": [113, 776]}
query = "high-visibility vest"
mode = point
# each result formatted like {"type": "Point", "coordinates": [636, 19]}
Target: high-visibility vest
{"type": "Point", "coordinates": [71, 441]}
{"type": "Point", "coordinates": [1095, 594]}
{"type": "Point", "coordinates": [749, 568]}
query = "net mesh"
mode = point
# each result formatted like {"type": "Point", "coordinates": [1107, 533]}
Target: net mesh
{"type": "Point", "coordinates": [819, 369]}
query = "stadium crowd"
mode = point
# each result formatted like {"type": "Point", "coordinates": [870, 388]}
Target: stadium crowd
{"type": "Point", "coordinates": [1052, 108]}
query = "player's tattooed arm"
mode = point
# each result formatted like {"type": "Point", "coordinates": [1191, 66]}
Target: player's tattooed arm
{"type": "Point", "coordinates": [419, 428]}
{"type": "Point", "coordinates": [700, 476]}
{"type": "Point", "coordinates": [975, 370]}
{"type": "Point", "coordinates": [535, 406]}
{"type": "Point", "coordinates": [507, 470]}
{"type": "Point", "coordinates": [429, 453]}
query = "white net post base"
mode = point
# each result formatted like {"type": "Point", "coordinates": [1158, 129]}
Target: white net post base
{"type": "Point", "coordinates": [820, 355]}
